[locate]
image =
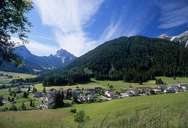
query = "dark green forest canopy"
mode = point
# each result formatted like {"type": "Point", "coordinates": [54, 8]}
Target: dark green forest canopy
{"type": "Point", "coordinates": [133, 59]}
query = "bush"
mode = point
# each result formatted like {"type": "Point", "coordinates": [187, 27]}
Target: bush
{"type": "Point", "coordinates": [25, 95]}
{"type": "Point", "coordinates": [13, 108]}
{"type": "Point", "coordinates": [5, 109]}
{"type": "Point", "coordinates": [34, 90]}
{"type": "Point", "coordinates": [44, 90]}
{"type": "Point", "coordinates": [32, 103]}
{"type": "Point", "coordinates": [80, 117]}
{"type": "Point", "coordinates": [159, 81]}
{"type": "Point", "coordinates": [23, 107]}
{"type": "Point", "coordinates": [111, 87]}
{"type": "Point", "coordinates": [73, 110]}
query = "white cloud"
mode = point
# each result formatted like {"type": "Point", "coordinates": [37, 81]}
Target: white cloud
{"type": "Point", "coordinates": [36, 48]}
{"type": "Point", "coordinates": [173, 14]}
{"type": "Point", "coordinates": [40, 49]}
{"type": "Point", "coordinates": [113, 30]}
{"type": "Point", "coordinates": [68, 18]}
{"type": "Point", "coordinates": [77, 42]}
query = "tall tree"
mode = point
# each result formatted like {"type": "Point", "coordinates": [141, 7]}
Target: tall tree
{"type": "Point", "coordinates": [59, 99]}
{"type": "Point", "coordinates": [13, 21]}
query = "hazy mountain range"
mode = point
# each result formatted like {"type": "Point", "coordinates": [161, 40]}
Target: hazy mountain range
{"type": "Point", "coordinates": [34, 63]}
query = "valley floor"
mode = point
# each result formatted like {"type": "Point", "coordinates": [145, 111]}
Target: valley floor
{"type": "Point", "coordinates": [154, 111]}
{"type": "Point", "coordinates": [169, 110]}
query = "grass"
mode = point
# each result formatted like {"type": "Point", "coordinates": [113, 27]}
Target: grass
{"type": "Point", "coordinates": [171, 105]}
{"type": "Point", "coordinates": [121, 85]}
{"type": "Point", "coordinates": [87, 85]}
{"type": "Point", "coordinates": [18, 75]}
{"type": "Point", "coordinates": [170, 80]}
{"type": "Point", "coordinates": [5, 79]}
{"type": "Point", "coordinates": [39, 87]}
{"type": "Point", "coordinates": [117, 85]}
{"type": "Point", "coordinates": [112, 113]}
{"type": "Point", "coordinates": [4, 92]}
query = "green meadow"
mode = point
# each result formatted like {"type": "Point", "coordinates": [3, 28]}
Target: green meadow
{"type": "Point", "coordinates": [157, 111]}
{"type": "Point", "coordinates": [120, 85]}
{"type": "Point", "coordinates": [168, 111]}
{"type": "Point", "coordinates": [6, 77]}
{"type": "Point", "coordinates": [18, 75]}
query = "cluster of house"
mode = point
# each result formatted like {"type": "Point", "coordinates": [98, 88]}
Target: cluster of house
{"type": "Point", "coordinates": [76, 95]}
{"type": "Point", "coordinates": [160, 89]}
{"type": "Point", "coordinates": [98, 94]}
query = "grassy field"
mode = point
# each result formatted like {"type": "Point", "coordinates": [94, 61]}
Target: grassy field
{"type": "Point", "coordinates": [18, 75]}
{"type": "Point", "coordinates": [87, 85]}
{"type": "Point", "coordinates": [170, 80]}
{"type": "Point", "coordinates": [121, 85]}
{"type": "Point", "coordinates": [39, 87]}
{"type": "Point", "coordinates": [105, 84]}
{"type": "Point", "coordinates": [171, 108]}
{"type": "Point", "coordinates": [117, 85]}
{"type": "Point", "coordinates": [5, 79]}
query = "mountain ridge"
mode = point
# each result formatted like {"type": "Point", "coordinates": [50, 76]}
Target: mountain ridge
{"type": "Point", "coordinates": [34, 63]}
{"type": "Point", "coordinates": [180, 38]}
{"type": "Point", "coordinates": [133, 59]}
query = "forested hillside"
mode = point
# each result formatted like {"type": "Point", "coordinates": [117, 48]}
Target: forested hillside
{"type": "Point", "coordinates": [133, 59]}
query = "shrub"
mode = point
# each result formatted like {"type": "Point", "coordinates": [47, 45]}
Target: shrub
{"type": "Point", "coordinates": [23, 107]}
{"type": "Point", "coordinates": [111, 87]}
{"type": "Point", "coordinates": [81, 117]}
{"type": "Point", "coordinates": [32, 103]}
{"type": "Point", "coordinates": [34, 90]}
{"type": "Point", "coordinates": [159, 81]}
{"type": "Point", "coordinates": [13, 108]}
{"type": "Point", "coordinates": [44, 90]}
{"type": "Point", "coordinates": [73, 110]}
{"type": "Point", "coordinates": [5, 109]}
{"type": "Point", "coordinates": [25, 95]}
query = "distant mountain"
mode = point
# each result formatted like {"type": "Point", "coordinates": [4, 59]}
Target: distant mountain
{"type": "Point", "coordinates": [181, 38]}
{"type": "Point", "coordinates": [34, 63]}
{"type": "Point", "coordinates": [133, 59]}
{"type": "Point", "coordinates": [64, 55]}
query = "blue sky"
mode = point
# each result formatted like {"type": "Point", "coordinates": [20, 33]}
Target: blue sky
{"type": "Point", "coordinates": [80, 25]}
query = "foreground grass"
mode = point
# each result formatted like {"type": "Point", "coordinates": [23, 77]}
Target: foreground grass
{"type": "Point", "coordinates": [171, 108]}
